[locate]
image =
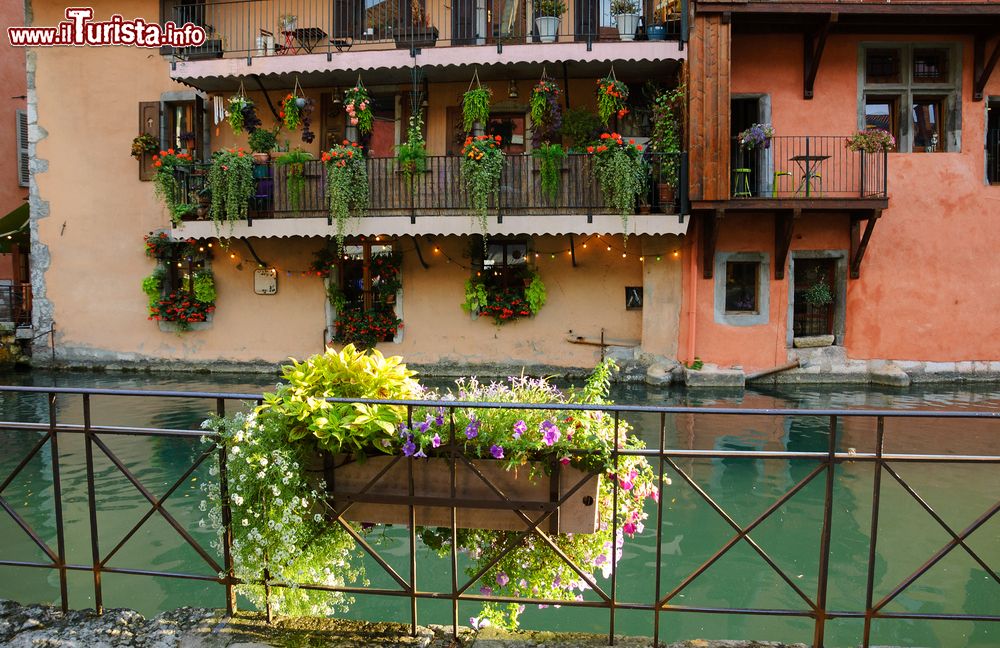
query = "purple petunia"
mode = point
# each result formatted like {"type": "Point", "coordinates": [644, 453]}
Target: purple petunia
{"type": "Point", "coordinates": [486, 590]}
{"type": "Point", "coordinates": [520, 428]}
{"type": "Point", "coordinates": [472, 429]}
{"type": "Point", "coordinates": [409, 447]}
{"type": "Point", "coordinates": [502, 579]}
{"type": "Point", "coordinates": [550, 433]}
{"type": "Point", "coordinates": [496, 451]}
{"type": "Point", "coordinates": [439, 419]}
{"type": "Point", "coordinates": [436, 440]}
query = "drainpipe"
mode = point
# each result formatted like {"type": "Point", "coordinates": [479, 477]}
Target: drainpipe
{"type": "Point", "coordinates": [693, 293]}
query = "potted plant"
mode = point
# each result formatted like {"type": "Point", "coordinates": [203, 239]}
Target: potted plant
{"type": "Point", "coordinates": [290, 111]}
{"type": "Point", "coordinates": [144, 144]}
{"type": "Point", "coordinates": [871, 140]}
{"type": "Point", "coordinates": [165, 185]}
{"type": "Point", "coordinates": [283, 518]}
{"type": "Point", "coordinates": [545, 108]}
{"type": "Point", "coordinates": [757, 135]}
{"type": "Point", "coordinates": [476, 106]}
{"type": "Point", "coordinates": [482, 166]}
{"type": "Point", "coordinates": [626, 13]}
{"type": "Point", "coordinates": [665, 143]}
{"type": "Point", "coordinates": [620, 171]}
{"type": "Point", "coordinates": [294, 163]}
{"type": "Point", "coordinates": [415, 33]}
{"type": "Point", "coordinates": [242, 114]}
{"type": "Point", "coordinates": [612, 96]}
{"type": "Point", "coordinates": [357, 105]}
{"type": "Point", "coordinates": [346, 184]}
{"type": "Point", "coordinates": [262, 141]}
{"type": "Point", "coordinates": [231, 180]}
{"type": "Point", "coordinates": [289, 22]}
{"type": "Point", "coordinates": [548, 14]}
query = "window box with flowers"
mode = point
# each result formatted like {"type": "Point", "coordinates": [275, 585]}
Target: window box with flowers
{"type": "Point", "coordinates": [284, 454]}
{"type": "Point", "coordinates": [505, 288]}
{"type": "Point", "coordinates": [364, 287]}
{"type": "Point", "coordinates": [181, 290]}
{"type": "Point", "coordinates": [621, 171]}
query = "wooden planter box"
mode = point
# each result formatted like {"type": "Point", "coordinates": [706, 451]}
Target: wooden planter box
{"type": "Point", "coordinates": [479, 506]}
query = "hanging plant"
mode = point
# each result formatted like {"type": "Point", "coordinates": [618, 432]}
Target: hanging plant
{"type": "Point", "coordinates": [143, 144]}
{"type": "Point", "coordinates": [482, 166]}
{"type": "Point", "coordinates": [346, 184]}
{"type": "Point", "coordinates": [476, 105]}
{"type": "Point", "coordinates": [306, 113]}
{"type": "Point", "coordinates": [612, 96]}
{"type": "Point", "coordinates": [550, 160]}
{"type": "Point", "coordinates": [412, 154]}
{"type": "Point", "coordinates": [295, 175]}
{"type": "Point", "coordinates": [621, 172]}
{"type": "Point", "coordinates": [241, 113]}
{"type": "Point", "coordinates": [165, 185]}
{"type": "Point", "coordinates": [291, 111]}
{"type": "Point", "coordinates": [357, 104]}
{"type": "Point", "coordinates": [232, 183]}
{"type": "Point", "coordinates": [545, 105]}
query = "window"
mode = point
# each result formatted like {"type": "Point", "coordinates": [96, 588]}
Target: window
{"type": "Point", "coordinates": [365, 296]}
{"type": "Point", "coordinates": [741, 288]}
{"type": "Point", "coordinates": [183, 126]}
{"type": "Point", "coordinates": [23, 174]}
{"type": "Point", "coordinates": [911, 91]}
{"type": "Point", "coordinates": [993, 141]}
{"type": "Point", "coordinates": [503, 283]}
{"type": "Point", "coordinates": [504, 262]}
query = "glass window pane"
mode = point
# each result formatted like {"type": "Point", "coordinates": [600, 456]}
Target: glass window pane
{"type": "Point", "coordinates": [882, 66]}
{"type": "Point", "coordinates": [880, 112]}
{"type": "Point", "coordinates": [927, 120]}
{"type": "Point", "coordinates": [741, 286]}
{"type": "Point", "coordinates": [930, 66]}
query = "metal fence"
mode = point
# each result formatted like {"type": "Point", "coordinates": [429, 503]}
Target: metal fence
{"type": "Point", "coordinates": [807, 167]}
{"type": "Point", "coordinates": [667, 600]}
{"type": "Point", "coordinates": [15, 303]}
{"type": "Point", "coordinates": [287, 27]}
{"type": "Point", "coordinates": [439, 189]}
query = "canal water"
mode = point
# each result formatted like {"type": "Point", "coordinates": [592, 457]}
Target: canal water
{"type": "Point", "coordinates": [692, 531]}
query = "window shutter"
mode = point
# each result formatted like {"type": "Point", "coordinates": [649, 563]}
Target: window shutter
{"type": "Point", "coordinates": [149, 124]}
{"type": "Point", "coordinates": [23, 175]}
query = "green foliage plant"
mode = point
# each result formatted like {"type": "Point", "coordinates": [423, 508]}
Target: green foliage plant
{"type": "Point", "coordinates": [357, 105]}
{"type": "Point", "coordinates": [346, 184]}
{"type": "Point", "coordinates": [476, 107]}
{"type": "Point", "coordinates": [235, 107]}
{"type": "Point", "coordinates": [550, 161]}
{"type": "Point", "coordinates": [232, 183]}
{"type": "Point", "coordinates": [476, 297]}
{"type": "Point", "coordinates": [818, 294]}
{"type": "Point", "coordinates": [581, 127]}
{"type": "Point", "coordinates": [204, 287]}
{"type": "Point", "coordinates": [153, 284]}
{"type": "Point", "coordinates": [411, 155]}
{"type": "Point", "coordinates": [621, 173]}
{"type": "Point", "coordinates": [165, 184]}
{"type": "Point", "coordinates": [666, 136]}
{"type": "Point", "coordinates": [295, 175]}
{"type": "Point", "coordinates": [535, 294]}
{"type": "Point", "coordinates": [262, 140]}
{"type": "Point", "coordinates": [545, 107]}
{"type": "Point", "coordinates": [143, 144]}
{"type": "Point", "coordinates": [612, 98]}
{"type": "Point", "coordinates": [482, 166]}
{"type": "Point", "coordinates": [553, 8]}
{"type": "Point", "coordinates": [290, 112]}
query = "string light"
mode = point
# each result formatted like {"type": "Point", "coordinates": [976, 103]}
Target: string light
{"type": "Point", "coordinates": [642, 258]}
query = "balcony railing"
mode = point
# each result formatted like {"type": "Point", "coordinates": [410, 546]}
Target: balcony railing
{"type": "Point", "coordinates": [993, 156]}
{"type": "Point", "coordinates": [807, 167]}
{"type": "Point", "coordinates": [439, 190]}
{"type": "Point", "coordinates": [15, 303]}
{"type": "Point", "coordinates": [256, 27]}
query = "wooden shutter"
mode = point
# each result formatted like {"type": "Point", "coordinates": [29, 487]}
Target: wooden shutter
{"type": "Point", "coordinates": [22, 149]}
{"type": "Point", "coordinates": [149, 124]}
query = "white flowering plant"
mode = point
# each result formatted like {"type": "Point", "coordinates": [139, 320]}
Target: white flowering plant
{"type": "Point", "coordinates": [281, 525]}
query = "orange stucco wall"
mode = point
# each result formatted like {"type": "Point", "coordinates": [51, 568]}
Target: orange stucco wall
{"type": "Point", "coordinates": [929, 278]}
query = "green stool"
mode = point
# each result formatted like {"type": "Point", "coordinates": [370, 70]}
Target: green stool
{"type": "Point", "coordinates": [774, 181]}
{"type": "Point", "coordinates": [742, 176]}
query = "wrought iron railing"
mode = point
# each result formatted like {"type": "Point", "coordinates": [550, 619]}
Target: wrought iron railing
{"type": "Point", "coordinates": [15, 303]}
{"type": "Point", "coordinates": [807, 167]}
{"type": "Point", "coordinates": [871, 598]}
{"type": "Point", "coordinates": [993, 155]}
{"type": "Point", "coordinates": [254, 28]}
{"type": "Point", "coordinates": [439, 190]}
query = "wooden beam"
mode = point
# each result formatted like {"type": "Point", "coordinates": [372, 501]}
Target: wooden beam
{"type": "Point", "coordinates": [784, 223]}
{"type": "Point", "coordinates": [982, 68]}
{"type": "Point", "coordinates": [859, 242]}
{"type": "Point", "coordinates": [812, 53]}
{"type": "Point", "coordinates": [709, 236]}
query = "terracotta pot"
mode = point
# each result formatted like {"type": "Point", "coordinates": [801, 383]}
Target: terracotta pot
{"type": "Point", "coordinates": [666, 194]}
{"type": "Point", "coordinates": [261, 158]}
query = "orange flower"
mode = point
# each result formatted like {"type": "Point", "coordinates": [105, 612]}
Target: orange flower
{"type": "Point", "coordinates": [170, 151]}
{"type": "Point", "coordinates": [590, 149]}
{"type": "Point", "coordinates": [156, 157]}
{"type": "Point", "coordinates": [497, 138]}
{"type": "Point", "coordinates": [602, 148]}
{"type": "Point", "coordinates": [631, 141]}
{"type": "Point", "coordinates": [605, 136]}
{"type": "Point", "coordinates": [156, 164]}
{"type": "Point", "coordinates": [346, 142]}
{"type": "Point", "coordinates": [639, 148]}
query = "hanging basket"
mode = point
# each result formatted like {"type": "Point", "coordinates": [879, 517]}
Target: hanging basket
{"type": "Point", "coordinates": [386, 500]}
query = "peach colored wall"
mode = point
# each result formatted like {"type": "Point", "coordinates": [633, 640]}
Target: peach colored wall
{"type": "Point", "coordinates": [13, 80]}
{"type": "Point", "coordinates": [929, 274]}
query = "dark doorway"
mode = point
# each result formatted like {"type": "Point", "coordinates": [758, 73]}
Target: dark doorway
{"type": "Point", "coordinates": [746, 164]}
{"type": "Point", "coordinates": [814, 297]}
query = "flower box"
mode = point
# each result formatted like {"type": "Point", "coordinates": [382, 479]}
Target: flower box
{"type": "Point", "coordinates": [480, 507]}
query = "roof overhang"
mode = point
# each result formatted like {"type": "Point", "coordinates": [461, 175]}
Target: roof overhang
{"type": "Point", "coordinates": [530, 225]}
{"type": "Point", "coordinates": [645, 60]}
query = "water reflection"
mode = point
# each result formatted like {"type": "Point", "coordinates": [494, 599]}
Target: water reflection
{"type": "Point", "coordinates": [692, 530]}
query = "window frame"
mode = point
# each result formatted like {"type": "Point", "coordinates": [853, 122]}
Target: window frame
{"type": "Point", "coordinates": [907, 91]}
{"type": "Point", "coordinates": [367, 289]}
{"type": "Point", "coordinates": [743, 318]}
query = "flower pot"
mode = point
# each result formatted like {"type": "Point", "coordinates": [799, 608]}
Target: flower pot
{"type": "Point", "coordinates": [666, 194]}
{"type": "Point", "coordinates": [627, 24]}
{"type": "Point", "coordinates": [416, 36]}
{"type": "Point", "coordinates": [548, 28]}
{"type": "Point", "coordinates": [657, 32]}
{"type": "Point", "coordinates": [261, 158]}
{"type": "Point", "coordinates": [300, 102]}
{"type": "Point", "coordinates": [385, 501]}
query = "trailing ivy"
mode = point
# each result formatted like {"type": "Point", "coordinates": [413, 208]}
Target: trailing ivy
{"type": "Point", "coordinates": [621, 172]}
{"type": "Point", "coordinates": [476, 107]}
{"type": "Point", "coordinates": [550, 160]}
{"type": "Point", "coordinates": [346, 184]}
{"type": "Point", "coordinates": [165, 184]}
{"type": "Point", "coordinates": [412, 154]}
{"type": "Point", "coordinates": [232, 183]}
{"type": "Point", "coordinates": [295, 175]}
{"type": "Point", "coordinates": [482, 166]}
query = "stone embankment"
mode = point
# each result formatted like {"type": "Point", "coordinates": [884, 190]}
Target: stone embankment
{"type": "Point", "coordinates": [33, 626]}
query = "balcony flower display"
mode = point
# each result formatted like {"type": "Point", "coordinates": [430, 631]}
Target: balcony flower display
{"type": "Point", "coordinates": [505, 303]}
{"type": "Point", "coordinates": [612, 96]}
{"type": "Point", "coordinates": [621, 171]}
{"type": "Point", "coordinates": [346, 184]}
{"type": "Point", "coordinates": [357, 105]}
{"type": "Point", "coordinates": [143, 144]}
{"type": "Point", "coordinates": [282, 517]}
{"type": "Point", "coordinates": [180, 307]}
{"type": "Point", "coordinates": [230, 178]}
{"type": "Point", "coordinates": [757, 135]}
{"type": "Point", "coordinates": [871, 140]}
{"type": "Point", "coordinates": [482, 166]}
{"type": "Point", "coordinates": [165, 185]}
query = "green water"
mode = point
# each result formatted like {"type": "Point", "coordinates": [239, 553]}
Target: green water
{"type": "Point", "coordinates": [692, 531]}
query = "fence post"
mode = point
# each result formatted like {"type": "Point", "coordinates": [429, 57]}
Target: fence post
{"type": "Point", "coordinates": [227, 519]}
{"type": "Point", "coordinates": [873, 531]}
{"type": "Point", "coordinates": [57, 503]}
{"type": "Point", "coordinates": [824, 550]}
{"type": "Point", "coordinates": [95, 549]}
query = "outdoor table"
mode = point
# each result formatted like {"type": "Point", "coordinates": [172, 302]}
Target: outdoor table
{"type": "Point", "coordinates": [808, 164]}
{"type": "Point", "coordinates": [306, 37]}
